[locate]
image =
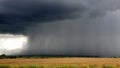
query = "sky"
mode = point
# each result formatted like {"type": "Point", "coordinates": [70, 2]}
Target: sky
{"type": "Point", "coordinates": [64, 27]}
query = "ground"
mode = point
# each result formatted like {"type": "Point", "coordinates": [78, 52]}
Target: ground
{"type": "Point", "coordinates": [53, 61]}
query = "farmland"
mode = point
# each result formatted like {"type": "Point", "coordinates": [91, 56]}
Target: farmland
{"type": "Point", "coordinates": [62, 62]}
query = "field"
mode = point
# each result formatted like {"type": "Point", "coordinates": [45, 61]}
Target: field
{"type": "Point", "coordinates": [60, 63]}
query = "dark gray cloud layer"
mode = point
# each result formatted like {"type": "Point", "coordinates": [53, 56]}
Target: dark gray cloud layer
{"type": "Point", "coordinates": [23, 13]}
{"type": "Point", "coordinates": [64, 27]}
{"type": "Point", "coordinates": [16, 15]}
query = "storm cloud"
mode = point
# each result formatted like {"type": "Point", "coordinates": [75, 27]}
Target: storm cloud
{"type": "Point", "coordinates": [20, 14]}
{"type": "Point", "coordinates": [16, 15]}
{"type": "Point", "coordinates": [65, 27]}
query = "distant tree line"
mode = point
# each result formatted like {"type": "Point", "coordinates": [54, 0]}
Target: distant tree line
{"type": "Point", "coordinates": [4, 56]}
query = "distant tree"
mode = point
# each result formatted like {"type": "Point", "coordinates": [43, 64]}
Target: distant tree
{"type": "Point", "coordinates": [2, 56]}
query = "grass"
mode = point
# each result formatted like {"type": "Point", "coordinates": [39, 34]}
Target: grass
{"type": "Point", "coordinates": [60, 63]}
{"type": "Point", "coordinates": [60, 66]}
{"type": "Point", "coordinates": [41, 66]}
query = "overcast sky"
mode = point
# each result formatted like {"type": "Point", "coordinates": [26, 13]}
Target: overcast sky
{"type": "Point", "coordinates": [64, 27]}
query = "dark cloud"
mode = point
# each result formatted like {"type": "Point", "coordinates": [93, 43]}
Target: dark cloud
{"type": "Point", "coordinates": [25, 13]}
{"type": "Point", "coordinates": [20, 13]}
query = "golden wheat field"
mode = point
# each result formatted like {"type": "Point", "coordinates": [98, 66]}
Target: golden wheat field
{"type": "Point", "coordinates": [62, 61]}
